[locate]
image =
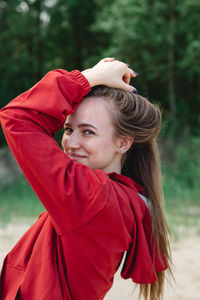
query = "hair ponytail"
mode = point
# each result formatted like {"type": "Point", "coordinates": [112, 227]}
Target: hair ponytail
{"type": "Point", "coordinates": [134, 115]}
{"type": "Point", "coordinates": [143, 165]}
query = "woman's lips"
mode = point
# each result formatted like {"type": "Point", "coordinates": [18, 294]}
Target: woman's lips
{"type": "Point", "coordinates": [76, 156]}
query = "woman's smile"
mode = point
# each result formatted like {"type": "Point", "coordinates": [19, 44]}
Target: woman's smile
{"type": "Point", "coordinates": [76, 156]}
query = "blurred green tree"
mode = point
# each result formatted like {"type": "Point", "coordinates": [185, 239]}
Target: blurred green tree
{"type": "Point", "coordinates": [161, 40]}
{"type": "Point", "coordinates": [68, 36]}
{"type": "Point", "coordinates": [39, 35]}
{"type": "Point", "coordinates": [22, 47]}
{"type": "Point", "coordinates": [21, 51]}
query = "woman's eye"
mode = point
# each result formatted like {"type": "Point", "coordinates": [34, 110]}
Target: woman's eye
{"type": "Point", "coordinates": [89, 132]}
{"type": "Point", "coordinates": [68, 130]}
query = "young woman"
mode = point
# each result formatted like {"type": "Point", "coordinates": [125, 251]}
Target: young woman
{"type": "Point", "coordinates": [102, 194]}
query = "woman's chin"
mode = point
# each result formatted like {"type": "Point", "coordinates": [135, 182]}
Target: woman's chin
{"type": "Point", "coordinates": [81, 160]}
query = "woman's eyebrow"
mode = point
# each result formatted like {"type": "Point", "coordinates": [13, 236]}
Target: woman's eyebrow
{"type": "Point", "coordinates": [86, 125]}
{"type": "Point", "coordinates": [81, 125]}
{"type": "Point", "coordinates": [67, 124]}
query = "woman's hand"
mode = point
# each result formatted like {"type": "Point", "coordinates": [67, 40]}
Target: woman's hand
{"type": "Point", "coordinates": [112, 73]}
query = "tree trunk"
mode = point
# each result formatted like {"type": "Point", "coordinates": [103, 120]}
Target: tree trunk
{"type": "Point", "coordinates": [171, 64]}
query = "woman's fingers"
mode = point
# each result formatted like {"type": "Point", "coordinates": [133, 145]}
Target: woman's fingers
{"type": "Point", "coordinates": [133, 73]}
{"type": "Point", "coordinates": [129, 88]}
{"type": "Point", "coordinates": [110, 72]}
{"type": "Point", "coordinates": [127, 77]}
{"type": "Point", "coordinates": [107, 59]}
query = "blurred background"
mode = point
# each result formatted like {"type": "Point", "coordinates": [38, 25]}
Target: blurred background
{"type": "Point", "coordinates": [161, 42]}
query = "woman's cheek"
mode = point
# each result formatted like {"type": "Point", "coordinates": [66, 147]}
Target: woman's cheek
{"type": "Point", "coordinates": [64, 142]}
{"type": "Point", "coordinates": [92, 146]}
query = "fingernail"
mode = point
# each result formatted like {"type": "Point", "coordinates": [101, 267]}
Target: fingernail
{"type": "Point", "coordinates": [134, 73]}
{"type": "Point", "coordinates": [135, 91]}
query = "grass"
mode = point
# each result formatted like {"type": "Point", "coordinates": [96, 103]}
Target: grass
{"type": "Point", "coordinates": [19, 200]}
{"type": "Point", "coordinates": [183, 210]}
{"type": "Point", "coordinates": [181, 174]}
{"type": "Point", "coordinates": [182, 204]}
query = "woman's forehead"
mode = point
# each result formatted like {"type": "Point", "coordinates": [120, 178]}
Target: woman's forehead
{"type": "Point", "coordinates": [92, 110]}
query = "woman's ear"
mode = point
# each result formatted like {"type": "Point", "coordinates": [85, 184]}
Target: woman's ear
{"type": "Point", "coordinates": [124, 143]}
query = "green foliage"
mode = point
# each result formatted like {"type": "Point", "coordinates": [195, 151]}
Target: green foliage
{"type": "Point", "coordinates": [161, 40]}
{"type": "Point", "coordinates": [69, 39]}
{"type": "Point", "coordinates": [185, 165]}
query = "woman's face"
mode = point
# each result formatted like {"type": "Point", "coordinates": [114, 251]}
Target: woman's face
{"type": "Point", "coordinates": [89, 136]}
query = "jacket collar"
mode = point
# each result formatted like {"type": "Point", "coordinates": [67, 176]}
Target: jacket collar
{"type": "Point", "coordinates": [126, 181]}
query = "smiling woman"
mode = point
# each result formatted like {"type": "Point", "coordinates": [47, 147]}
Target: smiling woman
{"type": "Point", "coordinates": [89, 136]}
{"type": "Point", "coordinates": [102, 194]}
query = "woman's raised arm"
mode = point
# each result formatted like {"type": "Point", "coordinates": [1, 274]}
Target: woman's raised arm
{"type": "Point", "coordinates": [67, 189]}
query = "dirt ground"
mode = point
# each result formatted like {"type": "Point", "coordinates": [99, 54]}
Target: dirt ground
{"type": "Point", "coordinates": [186, 260]}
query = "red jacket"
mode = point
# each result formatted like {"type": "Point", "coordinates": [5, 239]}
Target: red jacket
{"type": "Point", "coordinates": [74, 249]}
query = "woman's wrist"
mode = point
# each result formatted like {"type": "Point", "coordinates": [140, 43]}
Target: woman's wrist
{"type": "Point", "coordinates": [89, 75]}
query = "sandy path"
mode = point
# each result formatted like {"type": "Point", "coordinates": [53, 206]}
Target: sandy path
{"type": "Point", "coordinates": [186, 259]}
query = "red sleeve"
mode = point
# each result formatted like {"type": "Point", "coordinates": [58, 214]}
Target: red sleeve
{"type": "Point", "coordinates": [70, 191]}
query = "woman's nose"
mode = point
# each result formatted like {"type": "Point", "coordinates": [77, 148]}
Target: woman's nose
{"type": "Point", "coordinates": [73, 141]}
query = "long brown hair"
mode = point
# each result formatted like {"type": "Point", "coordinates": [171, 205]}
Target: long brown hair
{"type": "Point", "coordinates": [133, 115]}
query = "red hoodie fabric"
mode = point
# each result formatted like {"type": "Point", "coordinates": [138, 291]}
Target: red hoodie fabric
{"type": "Point", "coordinates": [74, 249]}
